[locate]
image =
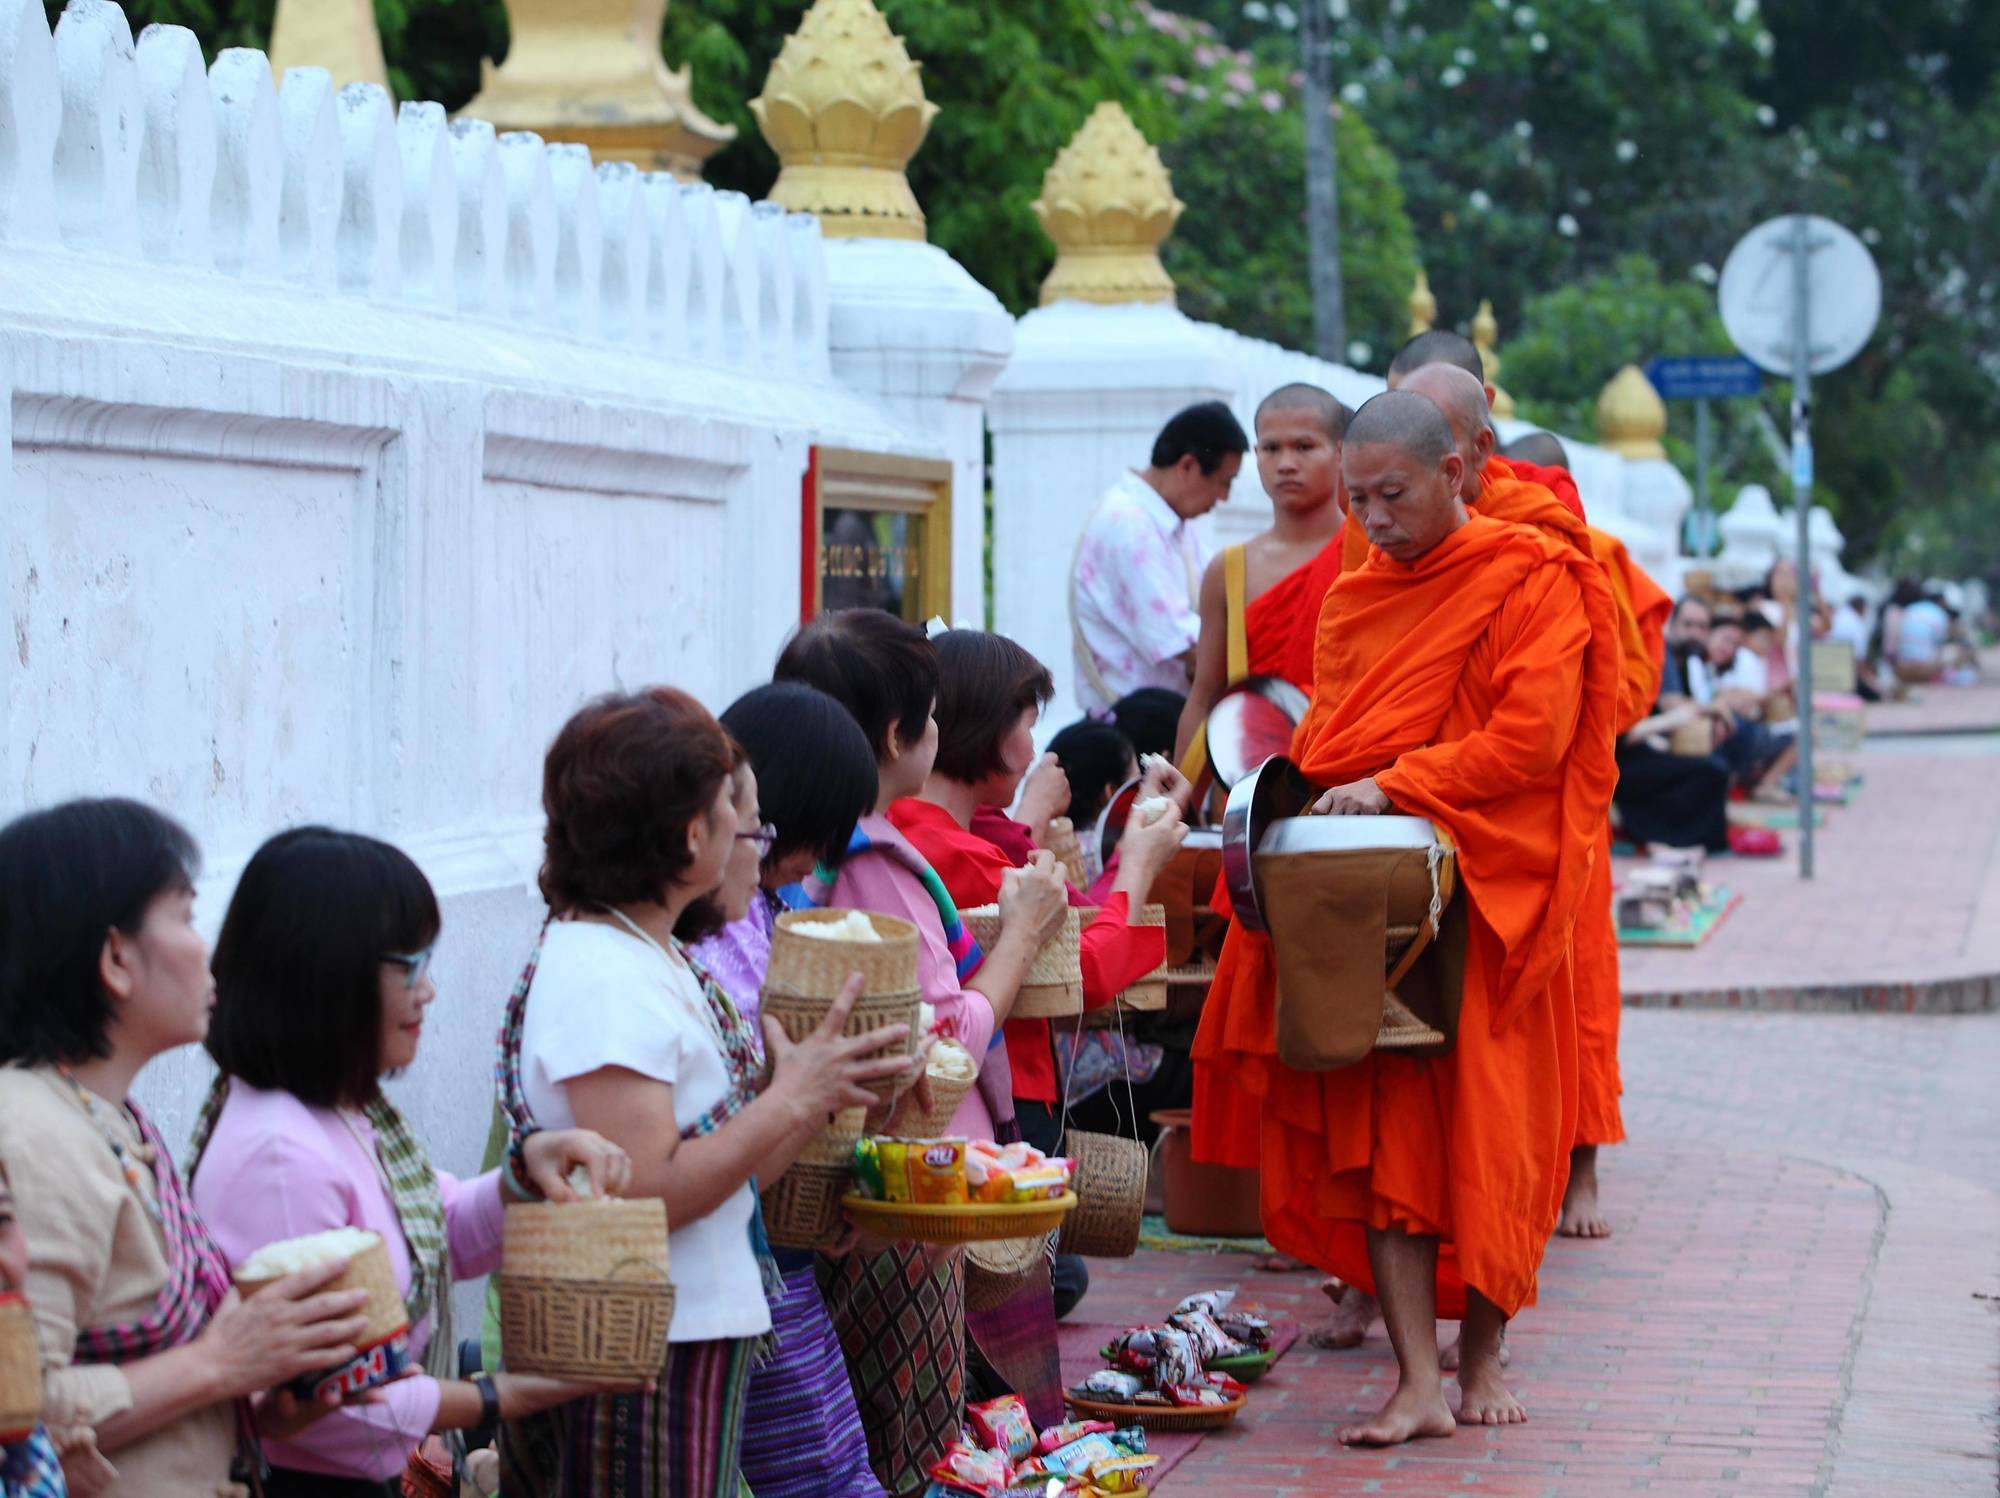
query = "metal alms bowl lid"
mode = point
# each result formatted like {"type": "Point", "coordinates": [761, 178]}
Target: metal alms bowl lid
{"type": "Point", "coordinates": [1320, 834]}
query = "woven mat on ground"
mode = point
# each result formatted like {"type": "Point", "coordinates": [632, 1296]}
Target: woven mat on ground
{"type": "Point", "coordinates": [1701, 925]}
{"type": "Point", "coordinates": [1153, 1233]}
{"type": "Point", "coordinates": [1079, 1343]}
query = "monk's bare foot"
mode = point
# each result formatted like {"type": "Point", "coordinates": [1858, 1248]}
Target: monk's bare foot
{"type": "Point", "coordinates": [1277, 1264]}
{"type": "Point", "coordinates": [1348, 1326]}
{"type": "Point", "coordinates": [1448, 1359]}
{"type": "Point", "coordinates": [1485, 1398]}
{"type": "Point", "coordinates": [1408, 1416]}
{"type": "Point", "coordinates": [1581, 1216]}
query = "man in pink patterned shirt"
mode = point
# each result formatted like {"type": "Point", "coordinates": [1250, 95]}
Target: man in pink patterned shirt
{"type": "Point", "coordinates": [1134, 586]}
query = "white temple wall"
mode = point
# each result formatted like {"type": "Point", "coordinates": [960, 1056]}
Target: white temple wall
{"type": "Point", "coordinates": [347, 453]}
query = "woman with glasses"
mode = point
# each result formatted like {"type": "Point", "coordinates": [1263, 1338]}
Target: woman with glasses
{"type": "Point", "coordinates": [810, 777]}
{"type": "Point", "coordinates": [322, 988]}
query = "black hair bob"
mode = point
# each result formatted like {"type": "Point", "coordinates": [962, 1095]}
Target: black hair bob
{"type": "Point", "coordinates": [298, 966]}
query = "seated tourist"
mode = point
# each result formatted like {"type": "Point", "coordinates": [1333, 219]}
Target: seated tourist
{"type": "Point", "coordinates": [1915, 629]}
{"type": "Point", "coordinates": [885, 673]}
{"type": "Point", "coordinates": [145, 1342]}
{"type": "Point", "coordinates": [814, 776]}
{"type": "Point", "coordinates": [322, 988]}
{"type": "Point", "coordinates": [614, 1028]}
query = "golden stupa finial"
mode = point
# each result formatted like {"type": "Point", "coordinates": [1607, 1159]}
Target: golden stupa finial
{"type": "Point", "coordinates": [1423, 306]}
{"type": "Point", "coordinates": [1485, 337]}
{"type": "Point", "coordinates": [590, 72]}
{"type": "Point", "coordinates": [844, 108]}
{"type": "Point", "coordinates": [1109, 205]}
{"type": "Point", "coordinates": [1631, 417]}
{"type": "Point", "coordinates": [338, 35]}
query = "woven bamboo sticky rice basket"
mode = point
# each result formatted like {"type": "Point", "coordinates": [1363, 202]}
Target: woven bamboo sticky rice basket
{"type": "Point", "coordinates": [958, 1222]}
{"type": "Point", "coordinates": [807, 974]}
{"type": "Point", "coordinates": [20, 1370]}
{"type": "Point", "coordinates": [1110, 1195]}
{"type": "Point", "coordinates": [584, 1291]}
{"type": "Point", "coordinates": [368, 1270]}
{"type": "Point", "coordinates": [996, 1271]}
{"type": "Point", "coordinates": [946, 1094]}
{"type": "Point", "coordinates": [1053, 987]}
{"type": "Point", "coordinates": [802, 1207]}
{"type": "Point", "coordinates": [1149, 994]}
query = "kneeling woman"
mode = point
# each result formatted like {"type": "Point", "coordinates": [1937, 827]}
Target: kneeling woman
{"type": "Point", "coordinates": [614, 1027]}
{"type": "Point", "coordinates": [322, 985]}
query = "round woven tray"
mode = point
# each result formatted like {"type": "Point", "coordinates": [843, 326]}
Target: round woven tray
{"type": "Point", "coordinates": [807, 974]}
{"type": "Point", "coordinates": [1053, 987]}
{"type": "Point", "coordinates": [1157, 1416]}
{"type": "Point", "coordinates": [802, 1207]}
{"type": "Point", "coordinates": [924, 1222]}
{"type": "Point", "coordinates": [370, 1270]}
{"type": "Point", "coordinates": [1110, 1193]}
{"type": "Point", "coordinates": [583, 1289]}
{"type": "Point", "coordinates": [20, 1370]}
{"type": "Point", "coordinates": [997, 1269]}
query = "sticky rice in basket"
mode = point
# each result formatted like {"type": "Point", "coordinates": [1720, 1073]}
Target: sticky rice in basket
{"type": "Point", "coordinates": [385, 1340]}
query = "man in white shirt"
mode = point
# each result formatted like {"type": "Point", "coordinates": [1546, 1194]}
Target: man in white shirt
{"type": "Point", "coordinates": [1135, 582]}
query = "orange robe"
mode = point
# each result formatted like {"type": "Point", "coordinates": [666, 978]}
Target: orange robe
{"type": "Point", "coordinates": [1279, 627]}
{"type": "Point", "coordinates": [1478, 686]}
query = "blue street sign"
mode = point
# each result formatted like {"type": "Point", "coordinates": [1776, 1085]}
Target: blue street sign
{"type": "Point", "coordinates": [1703, 378]}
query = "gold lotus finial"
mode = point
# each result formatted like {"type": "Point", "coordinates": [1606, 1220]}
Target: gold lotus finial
{"type": "Point", "coordinates": [1631, 417]}
{"type": "Point", "coordinates": [1423, 306]}
{"type": "Point", "coordinates": [844, 108]}
{"type": "Point", "coordinates": [1485, 335]}
{"type": "Point", "coordinates": [338, 35]}
{"type": "Point", "coordinates": [590, 71]}
{"type": "Point", "coordinates": [1109, 205]}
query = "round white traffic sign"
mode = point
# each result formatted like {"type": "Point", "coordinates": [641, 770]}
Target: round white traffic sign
{"type": "Point", "coordinates": [1758, 297]}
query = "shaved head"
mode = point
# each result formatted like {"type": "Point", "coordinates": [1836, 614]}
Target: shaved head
{"type": "Point", "coordinates": [1438, 346]}
{"type": "Point", "coordinates": [1539, 448]}
{"type": "Point", "coordinates": [1403, 473]}
{"type": "Point", "coordinates": [1462, 399]}
{"type": "Point", "coordinates": [1323, 404]}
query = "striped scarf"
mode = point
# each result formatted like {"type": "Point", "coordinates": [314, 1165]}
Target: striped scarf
{"type": "Point", "coordinates": [29, 1468]}
{"type": "Point", "coordinates": [413, 1192]}
{"type": "Point", "coordinates": [197, 1273]}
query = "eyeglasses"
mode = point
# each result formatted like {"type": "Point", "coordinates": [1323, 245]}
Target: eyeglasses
{"type": "Point", "coordinates": [765, 837]}
{"type": "Point", "coordinates": [413, 964]}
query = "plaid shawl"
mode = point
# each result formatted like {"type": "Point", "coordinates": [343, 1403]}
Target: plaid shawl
{"type": "Point", "coordinates": [29, 1468]}
{"type": "Point", "coordinates": [419, 1204]}
{"type": "Point", "coordinates": [197, 1274]}
{"type": "Point", "coordinates": [965, 952]}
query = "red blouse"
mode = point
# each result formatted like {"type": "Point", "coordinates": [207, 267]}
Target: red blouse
{"type": "Point", "coordinates": [1114, 955]}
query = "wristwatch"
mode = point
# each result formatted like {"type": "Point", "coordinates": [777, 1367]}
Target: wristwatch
{"type": "Point", "coordinates": [489, 1400]}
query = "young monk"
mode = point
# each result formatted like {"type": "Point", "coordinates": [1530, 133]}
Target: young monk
{"type": "Point", "coordinates": [1467, 673]}
{"type": "Point", "coordinates": [1286, 572]}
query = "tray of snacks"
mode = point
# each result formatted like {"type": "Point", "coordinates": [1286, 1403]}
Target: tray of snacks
{"type": "Point", "coordinates": [957, 1190]}
{"type": "Point", "coordinates": [1202, 1408]}
{"type": "Point", "coordinates": [999, 1453]}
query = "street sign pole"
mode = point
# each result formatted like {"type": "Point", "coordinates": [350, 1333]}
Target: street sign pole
{"type": "Point", "coordinates": [1703, 530]}
{"type": "Point", "coordinates": [1802, 484]}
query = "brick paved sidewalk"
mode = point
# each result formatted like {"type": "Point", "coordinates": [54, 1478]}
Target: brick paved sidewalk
{"type": "Point", "coordinates": [1806, 1223]}
{"type": "Point", "coordinates": [1904, 910]}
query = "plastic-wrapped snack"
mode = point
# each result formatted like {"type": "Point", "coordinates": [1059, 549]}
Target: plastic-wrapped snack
{"type": "Point", "coordinates": [1080, 1454]}
{"type": "Point", "coordinates": [1111, 1384]}
{"type": "Point", "coordinates": [868, 1169]}
{"type": "Point", "coordinates": [1252, 1331]}
{"type": "Point", "coordinates": [937, 1171]}
{"type": "Point", "coordinates": [1136, 1351]}
{"type": "Point", "coordinates": [1037, 1183]}
{"type": "Point", "coordinates": [1121, 1474]}
{"type": "Point", "coordinates": [1179, 1361]}
{"type": "Point", "coordinates": [1057, 1436]}
{"type": "Point", "coordinates": [1215, 1302]}
{"type": "Point", "coordinates": [1002, 1425]}
{"type": "Point", "coordinates": [966, 1469]}
{"type": "Point", "coordinates": [1152, 1397]}
{"type": "Point", "coordinates": [1210, 1340]}
{"type": "Point", "coordinates": [1194, 1396]}
{"type": "Point", "coordinates": [1132, 1438]}
{"type": "Point", "coordinates": [894, 1155]}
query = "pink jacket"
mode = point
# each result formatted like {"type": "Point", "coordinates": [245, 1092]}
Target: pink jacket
{"type": "Point", "coordinates": [278, 1168]}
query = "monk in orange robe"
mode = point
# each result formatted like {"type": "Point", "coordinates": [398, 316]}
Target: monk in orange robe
{"type": "Point", "coordinates": [1287, 571]}
{"type": "Point", "coordinates": [1466, 672]}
